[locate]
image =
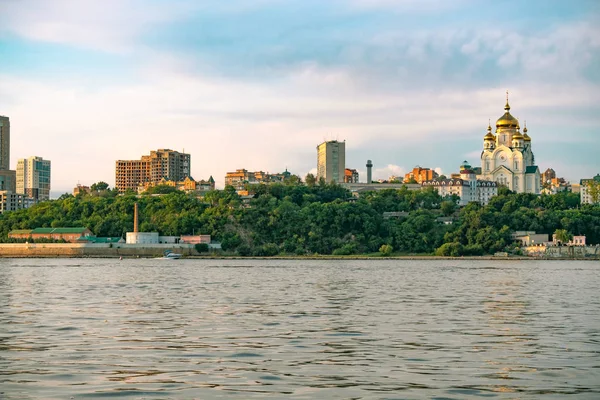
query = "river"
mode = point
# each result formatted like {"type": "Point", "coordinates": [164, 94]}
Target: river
{"type": "Point", "coordinates": [303, 329]}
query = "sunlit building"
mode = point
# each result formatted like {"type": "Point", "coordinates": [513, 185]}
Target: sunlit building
{"type": "Point", "coordinates": [350, 176]}
{"type": "Point", "coordinates": [33, 178]}
{"type": "Point", "coordinates": [507, 157]}
{"type": "Point", "coordinates": [331, 161]}
{"type": "Point", "coordinates": [162, 163]}
{"type": "Point", "coordinates": [464, 185]}
{"type": "Point", "coordinates": [420, 175]}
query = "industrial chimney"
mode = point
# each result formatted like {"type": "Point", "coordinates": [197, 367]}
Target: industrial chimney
{"type": "Point", "coordinates": [135, 217]}
{"type": "Point", "coordinates": [369, 168]}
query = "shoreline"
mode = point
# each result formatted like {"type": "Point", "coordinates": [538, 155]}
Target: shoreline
{"type": "Point", "coordinates": [311, 258]}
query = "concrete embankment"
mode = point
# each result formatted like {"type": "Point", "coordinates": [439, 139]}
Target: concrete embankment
{"type": "Point", "coordinates": [92, 250]}
{"type": "Point", "coordinates": [563, 252]}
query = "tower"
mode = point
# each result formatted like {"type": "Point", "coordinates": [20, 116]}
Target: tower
{"type": "Point", "coordinates": [4, 143]}
{"type": "Point", "coordinates": [331, 161]}
{"type": "Point", "coordinates": [369, 170]}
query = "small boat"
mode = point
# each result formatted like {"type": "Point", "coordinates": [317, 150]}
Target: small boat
{"type": "Point", "coordinates": [169, 255]}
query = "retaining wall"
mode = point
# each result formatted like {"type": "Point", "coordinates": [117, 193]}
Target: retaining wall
{"type": "Point", "coordinates": [92, 250]}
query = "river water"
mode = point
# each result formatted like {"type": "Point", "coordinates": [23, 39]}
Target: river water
{"type": "Point", "coordinates": [375, 329]}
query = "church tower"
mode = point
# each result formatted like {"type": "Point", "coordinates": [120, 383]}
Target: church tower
{"type": "Point", "coordinates": [507, 157]}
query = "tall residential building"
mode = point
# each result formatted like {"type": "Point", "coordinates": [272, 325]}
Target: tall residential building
{"type": "Point", "coordinates": [162, 163]}
{"type": "Point", "coordinates": [7, 176]}
{"type": "Point", "coordinates": [4, 143]}
{"type": "Point", "coordinates": [33, 178]}
{"type": "Point", "coordinates": [331, 161]}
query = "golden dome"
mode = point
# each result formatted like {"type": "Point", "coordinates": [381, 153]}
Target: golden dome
{"type": "Point", "coordinates": [525, 135]}
{"type": "Point", "coordinates": [507, 120]}
{"type": "Point", "coordinates": [518, 136]}
{"type": "Point", "coordinates": [489, 135]}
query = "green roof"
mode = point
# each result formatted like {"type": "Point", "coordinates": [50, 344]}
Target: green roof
{"type": "Point", "coordinates": [59, 230]}
{"type": "Point", "coordinates": [531, 169]}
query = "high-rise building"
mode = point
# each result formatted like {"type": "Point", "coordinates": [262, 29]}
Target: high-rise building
{"type": "Point", "coordinates": [331, 161]}
{"type": "Point", "coordinates": [33, 178]}
{"type": "Point", "coordinates": [7, 176]}
{"type": "Point", "coordinates": [4, 143]}
{"type": "Point", "coordinates": [162, 163]}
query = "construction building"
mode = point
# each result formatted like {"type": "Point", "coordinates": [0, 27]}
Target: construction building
{"type": "Point", "coordinates": [160, 164]}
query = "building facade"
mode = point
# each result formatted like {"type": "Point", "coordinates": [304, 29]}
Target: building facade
{"type": "Point", "coordinates": [466, 186]}
{"type": "Point", "coordinates": [188, 185]}
{"type": "Point", "coordinates": [33, 178]}
{"type": "Point", "coordinates": [331, 161]}
{"type": "Point", "coordinates": [4, 143]}
{"type": "Point", "coordinates": [420, 175]}
{"type": "Point", "coordinates": [70, 235]}
{"type": "Point", "coordinates": [350, 176]}
{"type": "Point", "coordinates": [507, 157]}
{"type": "Point", "coordinates": [589, 189]}
{"type": "Point", "coordinates": [162, 163]}
{"type": "Point", "coordinates": [240, 177]}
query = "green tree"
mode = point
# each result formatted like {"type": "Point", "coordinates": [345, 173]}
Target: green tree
{"type": "Point", "coordinates": [310, 180]}
{"type": "Point", "coordinates": [593, 186]}
{"type": "Point", "coordinates": [386, 250]}
{"type": "Point", "coordinates": [99, 186]}
{"type": "Point", "coordinates": [563, 236]}
{"type": "Point", "coordinates": [448, 207]}
{"type": "Point", "coordinates": [201, 247]}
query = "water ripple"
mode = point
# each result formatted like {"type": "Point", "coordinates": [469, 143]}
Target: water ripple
{"type": "Point", "coordinates": [138, 329]}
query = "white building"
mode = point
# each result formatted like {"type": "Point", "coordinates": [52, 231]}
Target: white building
{"type": "Point", "coordinates": [584, 190]}
{"type": "Point", "coordinates": [331, 161]}
{"type": "Point", "coordinates": [468, 188]}
{"type": "Point", "coordinates": [507, 157]}
{"type": "Point", "coordinates": [33, 178]}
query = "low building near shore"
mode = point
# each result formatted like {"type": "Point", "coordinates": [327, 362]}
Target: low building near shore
{"type": "Point", "coordinates": [71, 235]}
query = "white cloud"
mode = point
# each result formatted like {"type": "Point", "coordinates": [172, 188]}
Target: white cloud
{"type": "Point", "coordinates": [107, 25]}
{"type": "Point", "coordinates": [229, 124]}
{"type": "Point", "coordinates": [389, 170]}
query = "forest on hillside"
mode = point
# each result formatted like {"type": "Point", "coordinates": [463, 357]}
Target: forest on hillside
{"type": "Point", "coordinates": [298, 219]}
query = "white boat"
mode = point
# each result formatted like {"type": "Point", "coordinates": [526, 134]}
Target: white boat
{"type": "Point", "coordinates": [169, 255]}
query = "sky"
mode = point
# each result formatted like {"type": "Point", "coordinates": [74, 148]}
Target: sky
{"type": "Point", "coordinates": [258, 84]}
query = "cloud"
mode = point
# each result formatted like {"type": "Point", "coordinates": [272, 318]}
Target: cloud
{"type": "Point", "coordinates": [388, 171]}
{"type": "Point", "coordinates": [108, 25]}
{"type": "Point", "coordinates": [258, 85]}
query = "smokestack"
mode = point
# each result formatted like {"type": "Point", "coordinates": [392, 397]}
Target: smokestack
{"type": "Point", "coordinates": [369, 168]}
{"type": "Point", "coordinates": [135, 217]}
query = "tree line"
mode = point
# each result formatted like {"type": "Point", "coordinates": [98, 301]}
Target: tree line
{"type": "Point", "coordinates": [318, 218]}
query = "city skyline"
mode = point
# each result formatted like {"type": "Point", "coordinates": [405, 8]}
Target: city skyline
{"type": "Point", "coordinates": [258, 85]}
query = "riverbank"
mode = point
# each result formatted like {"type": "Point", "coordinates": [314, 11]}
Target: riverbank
{"type": "Point", "coordinates": [128, 251]}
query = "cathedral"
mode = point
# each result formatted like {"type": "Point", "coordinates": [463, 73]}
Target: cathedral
{"type": "Point", "coordinates": [507, 157]}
